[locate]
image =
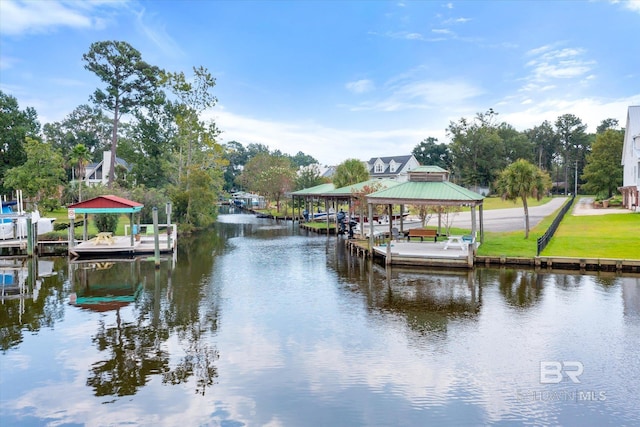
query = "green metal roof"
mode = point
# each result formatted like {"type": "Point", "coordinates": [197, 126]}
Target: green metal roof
{"type": "Point", "coordinates": [430, 169]}
{"type": "Point", "coordinates": [314, 191]}
{"type": "Point", "coordinates": [436, 193]}
{"type": "Point", "coordinates": [348, 190]}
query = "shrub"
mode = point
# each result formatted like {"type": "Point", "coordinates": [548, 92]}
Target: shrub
{"type": "Point", "coordinates": [50, 205]}
{"type": "Point", "coordinates": [106, 222]}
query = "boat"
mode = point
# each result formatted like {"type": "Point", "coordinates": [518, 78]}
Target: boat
{"type": "Point", "coordinates": [13, 221]}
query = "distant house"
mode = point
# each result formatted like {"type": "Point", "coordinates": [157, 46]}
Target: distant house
{"type": "Point", "coordinates": [395, 167]}
{"type": "Point", "coordinates": [327, 171]}
{"type": "Point", "coordinates": [631, 160]}
{"type": "Point", "coordinates": [98, 173]}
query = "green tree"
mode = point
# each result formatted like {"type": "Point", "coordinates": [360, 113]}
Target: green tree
{"type": "Point", "coordinates": [574, 145]}
{"type": "Point", "coordinates": [236, 155]}
{"type": "Point", "coordinates": [428, 152]}
{"type": "Point", "coordinates": [351, 171]}
{"type": "Point", "coordinates": [130, 82]}
{"type": "Point", "coordinates": [41, 175]}
{"type": "Point", "coordinates": [309, 176]}
{"type": "Point", "coordinates": [516, 144]}
{"type": "Point", "coordinates": [80, 157]}
{"type": "Point", "coordinates": [477, 150]}
{"type": "Point", "coordinates": [194, 96]}
{"type": "Point", "coordinates": [275, 182]}
{"type": "Point", "coordinates": [15, 126]}
{"type": "Point", "coordinates": [268, 174]}
{"type": "Point", "coordinates": [254, 149]}
{"type": "Point", "coordinates": [545, 142]}
{"type": "Point", "coordinates": [521, 180]}
{"type": "Point", "coordinates": [150, 145]}
{"type": "Point", "coordinates": [603, 172]}
{"type": "Point", "coordinates": [85, 125]}
{"type": "Point", "coordinates": [607, 124]}
{"type": "Point", "coordinates": [302, 160]}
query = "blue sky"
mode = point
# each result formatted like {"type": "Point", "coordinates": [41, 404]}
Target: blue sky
{"type": "Point", "coordinates": [342, 79]}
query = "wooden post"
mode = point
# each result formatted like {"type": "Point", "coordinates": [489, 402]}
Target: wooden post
{"type": "Point", "coordinates": [169, 226]}
{"type": "Point", "coordinates": [131, 227]}
{"type": "Point", "coordinates": [473, 221]}
{"type": "Point", "coordinates": [72, 233]}
{"type": "Point", "coordinates": [85, 228]}
{"type": "Point", "coordinates": [29, 237]}
{"type": "Point", "coordinates": [480, 212]}
{"type": "Point", "coordinates": [156, 237]}
{"type": "Point", "coordinates": [370, 206]}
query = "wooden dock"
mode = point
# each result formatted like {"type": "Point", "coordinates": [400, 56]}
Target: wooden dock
{"type": "Point", "coordinates": [434, 255]}
{"type": "Point", "coordinates": [121, 245]}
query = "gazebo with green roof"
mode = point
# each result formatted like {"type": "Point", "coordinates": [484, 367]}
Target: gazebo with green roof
{"type": "Point", "coordinates": [311, 193]}
{"type": "Point", "coordinates": [428, 185]}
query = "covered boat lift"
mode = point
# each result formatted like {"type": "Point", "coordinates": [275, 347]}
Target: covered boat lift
{"type": "Point", "coordinates": [428, 185]}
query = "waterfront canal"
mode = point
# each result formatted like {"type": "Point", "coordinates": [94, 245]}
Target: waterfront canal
{"type": "Point", "coordinates": [260, 324]}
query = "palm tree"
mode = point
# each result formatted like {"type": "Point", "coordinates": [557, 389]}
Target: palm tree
{"type": "Point", "coordinates": [80, 157]}
{"type": "Point", "coordinates": [522, 179]}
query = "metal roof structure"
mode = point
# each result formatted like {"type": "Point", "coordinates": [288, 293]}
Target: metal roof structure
{"type": "Point", "coordinates": [314, 191]}
{"type": "Point", "coordinates": [428, 185]}
{"type": "Point", "coordinates": [348, 190]}
{"type": "Point", "coordinates": [442, 193]}
{"type": "Point", "coordinates": [106, 204]}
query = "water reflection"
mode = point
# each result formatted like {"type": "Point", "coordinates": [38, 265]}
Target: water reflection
{"type": "Point", "coordinates": [258, 323]}
{"type": "Point", "coordinates": [31, 297]}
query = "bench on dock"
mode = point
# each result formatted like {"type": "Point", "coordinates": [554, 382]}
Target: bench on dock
{"type": "Point", "coordinates": [422, 233]}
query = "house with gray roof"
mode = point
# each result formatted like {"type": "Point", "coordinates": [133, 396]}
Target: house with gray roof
{"type": "Point", "coordinates": [98, 173]}
{"type": "Point", "coordinates": [394, 167]}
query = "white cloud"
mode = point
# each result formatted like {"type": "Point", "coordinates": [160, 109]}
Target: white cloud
{"type": "Point", "coordinates": [7, 62]}
{"type": "Point", "coordinates": [590, 110]}
{"type": "Point", "coordinates": [330, 146]}
{"type": "Point", "coordinates": [157, 33]}
{"type": "Point", "coordinates": [407, 93]}
{"type": "Point", "coordinates": [460, 20]}
{"type": "Point", "coordinates": [549, 63]}
{"type": "Point", "coordinates": [360, 86]}
{"type": "Point", "coordinates": [633, 5]}
{"type": "Point", "coordinates": [20, 17]}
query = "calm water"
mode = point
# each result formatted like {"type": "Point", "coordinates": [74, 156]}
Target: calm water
{"type": "Point", "coordinates": [259, 324]}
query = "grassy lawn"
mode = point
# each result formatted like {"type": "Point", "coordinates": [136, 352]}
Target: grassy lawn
{"type": "Point", "coordinates": [61, 216]}
{"type": "Point", "coordinates": [498, 203]}
{"type": "Point", "coordinates": [598, 236]}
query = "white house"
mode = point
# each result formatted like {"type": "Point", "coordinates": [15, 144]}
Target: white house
{"type": "Point", "coordinates": [631, 160]}
{"type": "Point", "coordinates": [98, 173]}
{"type": "Point", "coordinates": [396, 167]}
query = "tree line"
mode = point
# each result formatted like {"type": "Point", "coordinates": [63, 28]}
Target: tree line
{"type": "Point", "coordinates": [151, 118]}
{"type": "Point", "coordinates": [482, 147]}
{"type": "Point", "coordinates": [142, 114]}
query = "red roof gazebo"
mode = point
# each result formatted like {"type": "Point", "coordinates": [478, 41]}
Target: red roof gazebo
{"type": "Point", "coordinates": [107, 204]}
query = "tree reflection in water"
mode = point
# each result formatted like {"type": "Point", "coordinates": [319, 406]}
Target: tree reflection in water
{"type": "Point", "coordinates": [133, 356]}
{"type": "Point", "coordinates": [136, 350]}
{"type": "Point", "coordinates": [520, 288]}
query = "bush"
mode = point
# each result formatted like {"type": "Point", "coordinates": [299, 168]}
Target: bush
{"type": "Point", "coordinates": [50, 205]}
{"type": "Point", "coordinates": [106, 222]}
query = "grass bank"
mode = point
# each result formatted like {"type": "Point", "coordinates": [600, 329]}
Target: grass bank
{"type": "Point", "coordinates": [588, 236]}
{"type": "Point", "coordinates": [597, 236]}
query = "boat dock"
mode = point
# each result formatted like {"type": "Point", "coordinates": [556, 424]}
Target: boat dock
{"type": "Point", "coordinates": [435, 255]}
{"type": "Point", "coordinates": [105, 244]}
